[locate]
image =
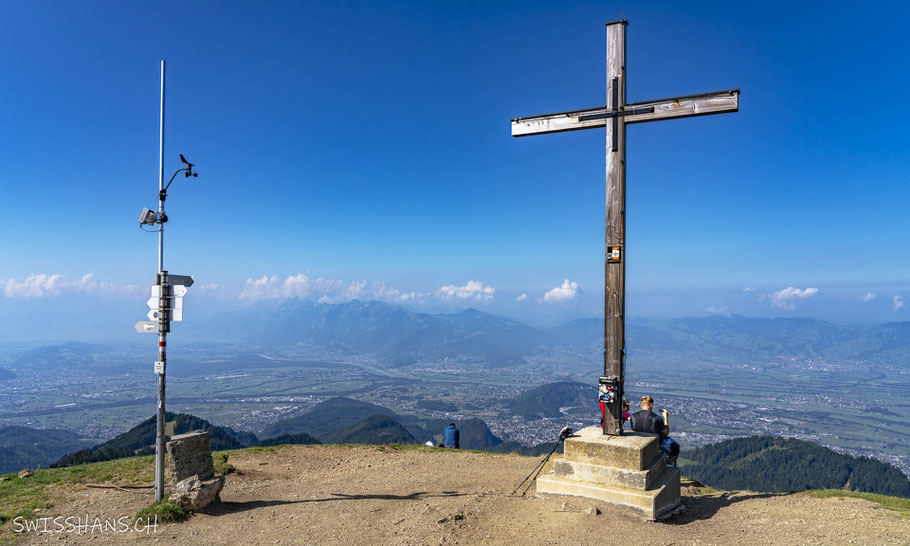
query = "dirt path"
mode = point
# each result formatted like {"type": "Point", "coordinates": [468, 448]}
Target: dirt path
{"type": "Point", "coordinates": [377, 495]}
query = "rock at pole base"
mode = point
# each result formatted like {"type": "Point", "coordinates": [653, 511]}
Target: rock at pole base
{"type": "Point", "coordinates": [196, 494]}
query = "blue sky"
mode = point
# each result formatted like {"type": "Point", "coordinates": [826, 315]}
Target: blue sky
{"type": "Point", "coordinates": [342, 143]}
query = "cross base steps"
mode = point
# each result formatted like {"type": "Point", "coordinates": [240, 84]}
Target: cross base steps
{"type": "Point", "coordinates": [624, 470]}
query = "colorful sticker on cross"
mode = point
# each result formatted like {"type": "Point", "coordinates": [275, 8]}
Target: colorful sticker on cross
{"type": "Point", "coordinates": [613, 254]}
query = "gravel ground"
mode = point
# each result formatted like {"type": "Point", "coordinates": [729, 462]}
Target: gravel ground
{"type": "Point", "coordinates": [379, 495]}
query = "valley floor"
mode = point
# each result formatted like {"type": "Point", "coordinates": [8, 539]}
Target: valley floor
{"type": "Point", "coordinates": [382, 495]}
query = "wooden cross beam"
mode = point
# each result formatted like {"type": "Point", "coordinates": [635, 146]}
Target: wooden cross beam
{"type": "Point", "coordinates": [637, 112]}
{"type": "Point", "coordinates": [617, 113]}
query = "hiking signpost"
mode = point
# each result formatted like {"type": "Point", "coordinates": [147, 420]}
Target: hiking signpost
{"type": "Point", "coordinates": [166, 302]}
{"type": "Point", "coordinates": [615, 116]}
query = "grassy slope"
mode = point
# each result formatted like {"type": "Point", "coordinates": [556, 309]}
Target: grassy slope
{"type": "Point", "coordinates": [21, 496]}
{"type": "Point", "coordinates": [899, 505]}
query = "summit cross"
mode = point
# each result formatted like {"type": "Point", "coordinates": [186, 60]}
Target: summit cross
{"type": "Point", "coordinates": [615, 116]}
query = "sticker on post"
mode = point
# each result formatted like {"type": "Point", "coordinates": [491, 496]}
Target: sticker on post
{"type": "Point", "coordinates": [159, 367]}
{"type": "Point", "coordinates": [614, 254]}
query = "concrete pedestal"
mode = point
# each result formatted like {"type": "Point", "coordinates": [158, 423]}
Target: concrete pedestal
{"type": "Point", "coordinates": [627, 470]}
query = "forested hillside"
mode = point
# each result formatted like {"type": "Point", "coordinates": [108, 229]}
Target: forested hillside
{"type": "Point", "coordinates": [140, 440]}
{"type": "Point", "coordinates": [546, 400]}
{"type": "Point", "coordinates": [23, 447]}
{"type": "Point", "coordinates": [376, 429]}
{"type": "Point", "coordinates": [289, 439]}
{"type": "Point", "coordinates": [766, 463]}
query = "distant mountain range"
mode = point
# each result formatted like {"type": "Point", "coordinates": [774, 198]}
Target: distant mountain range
{"type": "Point", "coordinates": [399, 336]}
{"type": "Point", "coordinates": [73, 355]}
{"type": "Point", "coordinates": [396, 336]}
{"type": "Point", "coordinates": [393, 333]}
{"type": "Point", "coordinates": [781, 465]}
{"type": "Point", "coordinates": [778, 337]}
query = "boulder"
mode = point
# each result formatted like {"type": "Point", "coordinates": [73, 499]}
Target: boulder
{"type": "Point", "coordinates": [26, 473]}
{"type": "Point", "coordinates": [190, 455]}
{"type": "Point", "coordinates": [196, 494]}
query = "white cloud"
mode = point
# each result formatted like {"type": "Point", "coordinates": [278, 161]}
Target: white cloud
{"type": "Point", "coordinates": [323, 290]}
{"type": "Point", "coordinates": [868, 297]}
{"type": "Point", "coordinates": [133, 290]}
{"type": "Point", "coordinates": [747, 289]}
{"type": "Point", "coordinates": [44, 285]}
{"type": "Point", "coordinates": [522, 297]}
{"type": "Point", "coordinates": [716, 310]}
{"type": "Point", "coordinates": [567, 291]}
{"type": "Point", "coordinates": [897, 303]}
{"type": "Point", "coordinates": [474, 291]}
{"type": "Point", "coordinates": [787, 298]}
{"type": "Point", "coordinates": [212, 290]}
{"type": "Point", "coordinates": [261, 289]}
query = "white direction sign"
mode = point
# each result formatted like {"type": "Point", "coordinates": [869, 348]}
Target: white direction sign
{"type": "Point", "coordinates": [174, 300]}
{"type": "Point", "coordinates": [144, 326]}
{"type": "Point", "coordinates": [184, 280]}
{"type": "Point", "coordinates": [178, 290]}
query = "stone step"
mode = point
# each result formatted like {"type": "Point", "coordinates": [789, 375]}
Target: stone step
{"type": "Point", "coordinates": [608, 475]}
{"type": "Point", "coordinates": [631, 451]}
{"type": "Point", "coordinates": [653, 503]}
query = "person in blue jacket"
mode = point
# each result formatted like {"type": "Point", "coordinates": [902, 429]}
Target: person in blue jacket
{"type": "Point", "coordinates": [451, 436]}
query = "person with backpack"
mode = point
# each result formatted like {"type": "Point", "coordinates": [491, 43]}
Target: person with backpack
{"type": "Point", "coordinates": [648, 421]}
{"type": "Point", "coordinates": [452, 437]}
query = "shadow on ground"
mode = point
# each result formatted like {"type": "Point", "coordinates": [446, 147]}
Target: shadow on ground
{"type": "Point", "coordinates": [224, 508]}
{"type": "Point", "coordinates": [699, 507]}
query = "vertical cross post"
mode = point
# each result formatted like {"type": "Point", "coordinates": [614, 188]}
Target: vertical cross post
{"type": "Point", "coordinates": [615, 262]}
{"type": "Point", "coordinates": [614, 117]}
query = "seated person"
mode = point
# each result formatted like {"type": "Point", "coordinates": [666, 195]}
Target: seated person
{"type": "Point", "coordinates": [625, 412]}
{"type": "Point", "coordinates": [648, 421]}
{"type": "Point", "coordinates": [452, 437]}
{"type": "Point", "coordinates": [625, 409]}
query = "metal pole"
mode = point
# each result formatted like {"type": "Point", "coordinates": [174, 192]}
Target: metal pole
{"type": "Point", "coordinates": [161, 173]}
{"type": "Point", "coordinates": [162, 310]}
